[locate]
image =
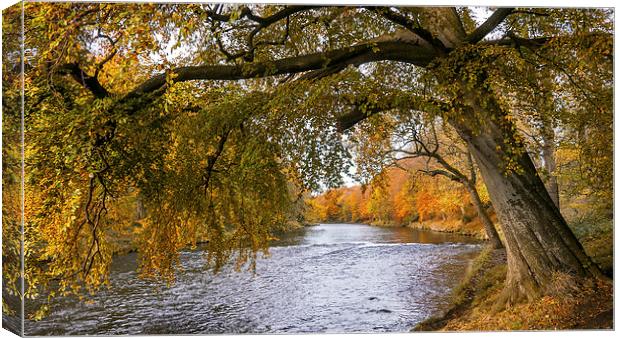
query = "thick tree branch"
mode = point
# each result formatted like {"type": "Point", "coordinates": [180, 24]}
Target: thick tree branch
{"type": "Point", "coordinates": [436, 172]}
{"type": "Point", "coordinates": [89, 82]}
{"type": "Point", "coordinates": [354, 55]}
{"type": "Point", "coordinates": [522, 11]}
{"type": "Point", "coordinates": [516, 41]}
{"type": "Point", "coordinates": [355, 116]}
{"type": "Point", "coordinates": [286, 12]}
{"type": "Point", "coordinates": [472, 169]}
{"type": "Point", "coordinates": [246, 12]}
{"type": "Point", "coordinates": [489, 25]}
{"type": "Point", "coordinates": [411, 25]}
{"type": "Point", "coordinates": [362, 109]}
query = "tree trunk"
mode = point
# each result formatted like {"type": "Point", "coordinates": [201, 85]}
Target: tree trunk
{"type": "Point", "coordinates": [140, 209]}
{"type": "Point", "coordinates": [484, 217]}
{"type": "Point", "coordinates": [548, 154]}
{"type": "Point", "coordinates": [538, 242]}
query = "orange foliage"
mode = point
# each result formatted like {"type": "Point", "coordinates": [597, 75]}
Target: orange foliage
{"type": "Point", "coordinates": [396, 196]}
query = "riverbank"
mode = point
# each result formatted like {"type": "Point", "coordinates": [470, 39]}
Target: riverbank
{"type": "Point", "coordinates": [124, 245]}
{"type": "Point", "coordinates": [472, 308]}
{"type": "Point", "coordinates": [473, 228]}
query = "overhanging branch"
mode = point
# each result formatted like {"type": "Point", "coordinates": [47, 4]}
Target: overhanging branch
{"type": "Point", "coordinates": [489, 25]}
{"type": "Point", "coordinates": [362, 109]}
{"type": "Point", "coordinates": [354, 55]}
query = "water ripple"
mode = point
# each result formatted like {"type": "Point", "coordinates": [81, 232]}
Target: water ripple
{"type": "Point", "coordinates": [330, 278]}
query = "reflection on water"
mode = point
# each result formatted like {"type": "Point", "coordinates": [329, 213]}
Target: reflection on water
{"type": "Point", "coordinates": [326, 278]}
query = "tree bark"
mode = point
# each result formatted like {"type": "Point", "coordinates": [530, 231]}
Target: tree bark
{"type": "Point", "coordinates": [548, 154]}
{"type": "Point", "coordinates": [484, 217]}
{"type": "Point", "coordinates": [539, 244]}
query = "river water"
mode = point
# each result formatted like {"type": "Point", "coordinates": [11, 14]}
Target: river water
{"type": "Point", "coordinates": [325, 278]}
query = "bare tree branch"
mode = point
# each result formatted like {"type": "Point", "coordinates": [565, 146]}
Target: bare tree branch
{"type": "Point", "coordinates": [261, 23]}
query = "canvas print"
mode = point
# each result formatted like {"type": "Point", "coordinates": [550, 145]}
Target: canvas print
{"type": "Point", "coordinates": [175, 168]}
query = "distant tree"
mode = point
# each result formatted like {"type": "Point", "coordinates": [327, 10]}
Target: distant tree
{"type": "Point", "coordinates": [424, 141]}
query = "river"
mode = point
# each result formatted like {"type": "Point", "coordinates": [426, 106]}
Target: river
{"type": "Point", "coordinates": [325, 278]}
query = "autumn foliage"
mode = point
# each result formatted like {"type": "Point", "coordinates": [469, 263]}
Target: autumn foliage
{"type": "Point", "coordinates": [397, 196]}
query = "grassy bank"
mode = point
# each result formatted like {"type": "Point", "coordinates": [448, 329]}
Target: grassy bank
{"type": "Point", "coordinates": [473, 300]}
{"type": "Point", "coordinates": [596, 234]}
{"type": "Point", "coordinates": [472, 228]}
